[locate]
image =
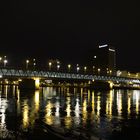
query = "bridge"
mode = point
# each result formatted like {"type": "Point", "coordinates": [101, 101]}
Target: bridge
{"type": "Point", "coordinates": [39, 74]}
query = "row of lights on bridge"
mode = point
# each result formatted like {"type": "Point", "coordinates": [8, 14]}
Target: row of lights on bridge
{"type": "Point", "coordinates": [50, 64]}
{"type": "Point", "coordinates": [3, 61]}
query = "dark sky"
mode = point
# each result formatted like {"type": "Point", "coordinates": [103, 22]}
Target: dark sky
{"type": "Point", "coordinates": [67, 29]}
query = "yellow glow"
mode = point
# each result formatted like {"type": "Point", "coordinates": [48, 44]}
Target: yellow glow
{"type": "Point", "coordinates": [129, 104]}
{"type": "Point", "coordinates": [98, 105]}
{"type": "Point", "coordinates": [111, 84]}
{"type": "Point", "coordinates": [109, 103]}
{"type": "Point", "coordinates": [37, 83]}
{"type": "Point", "coordinates": [48, 116]}
{"type": "Point", "coordinates": [36, 100]}
{"type": "Point", "coordinates": [137, 102]}
{"type": "Point", "coordinates": [18, 101]}
{"type": "Point", "coordinates": [19, 80]}
{"type": "Point", "coordinates": [68, 109]}
{"type": "Point", "coordinates": [68, 122]}
{"type": "Point", "coordinates": [85, 68]}
{"type": "Point", "coordinates": [69, 66]}
{"type": "Point", "coordinates": [84, 111]}
{"type": "Point", "coordinates": [119, 102]}
{"type": "Point", "coordinates": [27, 61]}
{"type": "Point", "coordinates": [25, 115]}
{"type": "Point", "coordinates": [92, 104]}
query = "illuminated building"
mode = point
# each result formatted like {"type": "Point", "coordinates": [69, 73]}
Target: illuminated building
{"type": "Point", "coordinates": [102, 60]}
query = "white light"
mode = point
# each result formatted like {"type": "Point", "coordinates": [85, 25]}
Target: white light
{"type": "Point", "coordinates": [102, 46]}
{"type": "Point", "coordinates": [111, 50]}
{"type": "Point", "coordinates": [95, 56]}
{"type": "Point", "coordinates": [0, 76]}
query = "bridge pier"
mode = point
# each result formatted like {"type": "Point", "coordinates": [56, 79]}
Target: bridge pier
{"type": "Point", "coordinates": [32, 84]}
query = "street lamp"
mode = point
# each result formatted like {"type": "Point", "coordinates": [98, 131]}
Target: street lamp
{"type": "Point", "coordinates": [110, 72]}
{"type": "Point", "coordinates": [27, 63]}
{"type": "Point", "coordinates": [34, 62]}
{"type": "Point", "coordinates": [78, 68]}
{"type": "Point", "coordinates": [69, 67]}
{"type": "Point", "coordinates": [58, 67]}
{"type": "Point", "coordinates": [99, 70]}
{"type": "Point", "coordinates": [0, 60]}
{"type": "Point", "coordinates": [85, 69]}
{"type": "Point", "coordinates": [5, 62]}
{"type": "Point", "coordinates": [93, 69]}
{"type": "Point", "coordinates": [50, 65]}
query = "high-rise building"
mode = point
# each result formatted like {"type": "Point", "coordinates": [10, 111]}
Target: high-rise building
{"type": "Point", "coordinates": [102, 60]}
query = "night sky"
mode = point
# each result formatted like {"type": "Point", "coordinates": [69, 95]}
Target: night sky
{"type": "Point", "coordinates": [67, 29]}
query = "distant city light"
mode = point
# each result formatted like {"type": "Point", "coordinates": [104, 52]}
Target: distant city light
{"type": "Point", "coordinates": [102, 46]}
{"type": "Point", "coordinates": [111, 50]}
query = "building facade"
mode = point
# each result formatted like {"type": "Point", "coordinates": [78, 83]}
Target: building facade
{"type": "Point", "coordinates": [102, 60]}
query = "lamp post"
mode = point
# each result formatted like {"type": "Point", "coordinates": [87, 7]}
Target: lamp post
{"type": "Point", "coordinates": [27, 63]}
{"type": "Point", "coordinates": [5, 62]}
{"type": "Point", "coordinates": [34, 63]}
{"type": "Point", "coordinates": [99, 70]}
{"type": "Point", "coordinates": [50, 65]}
{"type": "Point", "coordinates": [69, 67]}
{"type": "Point", "coordinates": [0, 60]}
{"type": "Point", "coordinates": [58, 67]}
{"type": "Point", "coordinates": [85, 69]}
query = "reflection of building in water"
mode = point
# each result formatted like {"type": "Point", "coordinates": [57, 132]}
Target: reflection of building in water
{"type": "Point", "coordinates": [84, 111]}
{"type": "Point", "coordinates": [77, 113]}
{"type": "Point", "coordinates": [57, 114]}
{"type": "Point", "coordinates": [109, 102]}
{"type": "Point", "coordinates": [3, 107]}
{"type": "Point", "coordinates": [68, 118]}
{"type": "Point", "coordinates": [119, 102]}
{"type": "Point", "coordinates": [49, 92]}
{"type": "Point", "coordinates": [136, 99]}
{"type": "Point", "coordinates": [93, 106]}
{"type": "Point", "coordinates": [25, 114]}
{"type": "Point", "coordinates": [48, 116]}
{"type": "Point", "coordinates": [128, 103]}
{"type": "Point", "coordinates": [36, 99]}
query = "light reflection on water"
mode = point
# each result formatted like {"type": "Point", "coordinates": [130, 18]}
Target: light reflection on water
{"type": "Point", "coordinates": [71, 108]}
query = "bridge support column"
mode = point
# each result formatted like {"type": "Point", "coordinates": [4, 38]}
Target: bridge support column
{"type": "Point", "coordinates": [37, 83]}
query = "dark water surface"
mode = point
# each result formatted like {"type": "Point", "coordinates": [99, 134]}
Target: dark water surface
{"type": "Point", "coordinates": [110, 115]}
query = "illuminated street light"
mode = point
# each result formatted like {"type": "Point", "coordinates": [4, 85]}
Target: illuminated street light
{"type": "Point", "coordinates": [85, 69]}
{"type": "Point", "coordinates": [5, 62]}
{"type": "Point", "coordinates": [0, 60]}
{"type": "Point", "coordinates": [110, 72]}
{"type": "Point", "coordinates": [58, 67]}
{"type": "Point", "coordinates": [27, 63]}
{"type": "Point", "coordinates": [50, 65]}
{"type": "Point", "coordinates": [69, 67]}
{"type": "Point", "coordinates": [34, 62]}
{"type": "Point", "coordinates": [78, 68]}
{"type": "Point", "coordinates": [99, 70]}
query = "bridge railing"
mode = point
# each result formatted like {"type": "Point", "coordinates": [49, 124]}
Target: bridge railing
{"type": "Point", "coordinates": [48, 74]}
